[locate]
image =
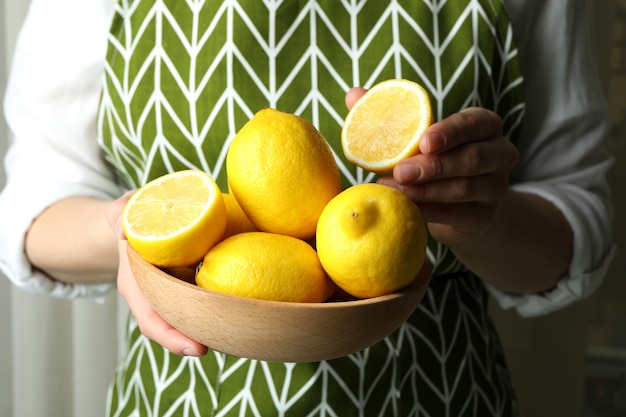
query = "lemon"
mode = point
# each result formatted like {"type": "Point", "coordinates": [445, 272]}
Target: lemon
{"type": "Point", "coordinates": [282, 173]}
{"type": "Point", "coordinates": [371, 240]}
{"type": "Point", "coordinates": [237, 221]}
{"type": "Point", "coordinates": [384, 125]}
{"type": "Point", "coordinates": [265, 266]}
{"type": "Point", "coordinates": [172, 221]}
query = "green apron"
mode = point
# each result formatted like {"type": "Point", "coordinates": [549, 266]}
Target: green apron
{"type": "Point", "coordinates": [182, 77]}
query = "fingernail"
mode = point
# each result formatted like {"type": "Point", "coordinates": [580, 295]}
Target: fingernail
{"type": "Point", "coordinates": [190, 352]}
{"type": "Point", "coordinates": [406, 173]}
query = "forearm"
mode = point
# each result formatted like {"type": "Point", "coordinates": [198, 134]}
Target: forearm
{"type": "Point", "coordinates": [71, 241]}
{"type": "Point", "coordinates": [527, 248]}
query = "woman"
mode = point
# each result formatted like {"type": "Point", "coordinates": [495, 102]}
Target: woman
{"type": "Point", "coordinates": [511, 179]}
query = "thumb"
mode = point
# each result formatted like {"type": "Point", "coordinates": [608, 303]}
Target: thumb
{"type": "Point", "coordinates": [114, 214]}
{"type": "Point", "coordinates": [353, 95]}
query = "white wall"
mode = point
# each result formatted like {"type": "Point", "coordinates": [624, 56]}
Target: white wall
{"type": "Point", "coordinates": [11, 14]}
{"type": "Point", "coordinates": [5, 310]}
{"type": "Point", "coordinates": [56, 357]}
{"type": "Point", "coordinates": [10, 17]}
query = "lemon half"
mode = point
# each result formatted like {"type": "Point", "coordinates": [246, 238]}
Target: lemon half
{"type": "Point", "coordinates": [172, 221]}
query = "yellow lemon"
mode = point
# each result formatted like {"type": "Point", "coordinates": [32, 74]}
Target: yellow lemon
{"type": "Point", "coordinates": [237, 221]}
{"type": "Point", "coordinates": [172, 221]}
{"type": "Point", "coordinates": [384, 125]}
{"type": "Point", "coordinates": [371, 240]}
{"type": "Point", "coordinates": [265, 266]}
{"type": "Point", "coordinates": [282, 173]}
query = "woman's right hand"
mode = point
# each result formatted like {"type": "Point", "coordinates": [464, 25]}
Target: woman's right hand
{"type": "Point", "coordinates": [150, 323]}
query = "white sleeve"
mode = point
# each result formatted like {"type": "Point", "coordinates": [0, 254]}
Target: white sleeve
{"type": "Point", "coordinates": [50, 107]}
{"type": "Point", "coordinates": [562, 157]}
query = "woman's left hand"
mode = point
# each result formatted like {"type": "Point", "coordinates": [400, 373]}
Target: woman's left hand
{"type": "Point", "coordinates": [460, 176]}
{"type": "Point", "coordinates": [459, 180]}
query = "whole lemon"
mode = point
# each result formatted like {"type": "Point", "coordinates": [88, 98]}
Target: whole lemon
{"type": "Point", "coordinates": [282, 173]}
{"type": "Point", "coordinates": [265, 266]}
{"type": "Point", "coordinates": [371, 240]}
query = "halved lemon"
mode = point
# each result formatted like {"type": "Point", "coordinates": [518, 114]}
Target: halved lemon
{"type": "Point", "coordinates": [385, 125]}
{"type": "Point", "coordinates": [173, 221]}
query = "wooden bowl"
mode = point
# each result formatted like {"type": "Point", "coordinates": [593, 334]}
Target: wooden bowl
{"type": "Point", "coordinates": [275, 331]}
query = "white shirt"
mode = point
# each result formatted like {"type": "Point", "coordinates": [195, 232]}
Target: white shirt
{"type": "Point", "coordinates": [54, 88]}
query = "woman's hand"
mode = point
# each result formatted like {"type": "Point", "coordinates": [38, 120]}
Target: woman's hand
{"type": "Point", "coordinates": [460, 177]}
{"type": "Point", "coordinates": [150, 323]}
{"type": "Point", "coordinates": [518, 242]}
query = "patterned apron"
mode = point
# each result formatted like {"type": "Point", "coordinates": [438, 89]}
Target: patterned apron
{"type": "Point", "coordinates": [183, 76]}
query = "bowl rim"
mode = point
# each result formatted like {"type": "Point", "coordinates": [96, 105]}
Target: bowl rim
{"type": "Point", "coordinates": [420, 280]}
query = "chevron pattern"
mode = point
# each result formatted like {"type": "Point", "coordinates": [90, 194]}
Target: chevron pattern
{"type": "Point", "coordinates": [182, 76]}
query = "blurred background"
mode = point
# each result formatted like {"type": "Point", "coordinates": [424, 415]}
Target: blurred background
{"type": "Point", "coordinates": [573, 362]}
{"type": "Point", "coordinates": [57, 357]}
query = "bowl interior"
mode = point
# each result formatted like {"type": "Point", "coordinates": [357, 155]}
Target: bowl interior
{"type": "Point", "coordinates": [274, 330]}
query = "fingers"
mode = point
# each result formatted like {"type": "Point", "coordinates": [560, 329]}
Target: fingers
{"type": "Point", "coordinates": [353, 95]}
{"type": "Point", "coordinates": [150, 323]}
{"type": "Point", "coordinates": [470, 125]}
{"type": "Point", "coordinates": [468, 160]}
{"type": "Point", "coordinates": [114, 214]}
{"type": "Point", "coordinates": [480, 188]}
